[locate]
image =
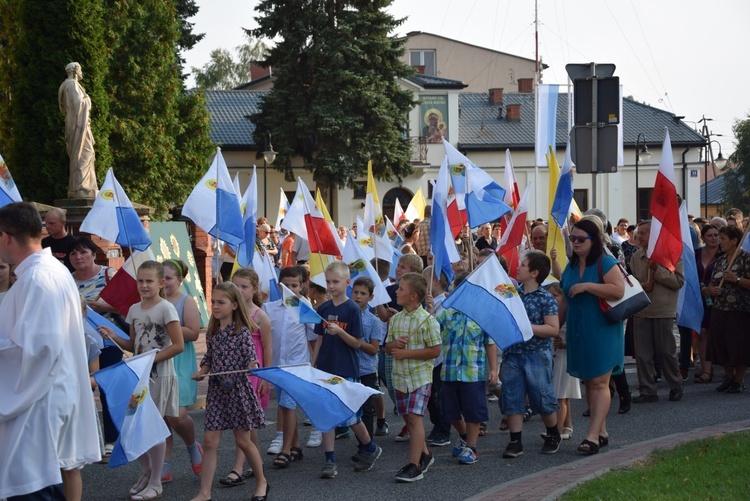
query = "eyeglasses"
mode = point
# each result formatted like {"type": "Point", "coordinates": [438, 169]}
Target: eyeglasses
{"type": "Point", "coordinates": [579, 239]}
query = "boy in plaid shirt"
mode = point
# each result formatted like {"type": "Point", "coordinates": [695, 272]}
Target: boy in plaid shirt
{"type": "Point", "coordinates": [466, 351]}
{"type": "Point", "coordinates": [414, 342]}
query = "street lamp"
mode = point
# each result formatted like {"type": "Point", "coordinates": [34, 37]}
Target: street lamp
{"type": "Point", "coordinates": [641, 155]}
{"type": "Point", "coordinates": [268, 157]}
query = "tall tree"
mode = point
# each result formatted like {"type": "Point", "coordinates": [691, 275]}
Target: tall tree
{"type": "Point", "coordinates": [225, 71]}
{"type": "Point", "coordinates": [40, 37]}
{"type": "Point", "coordinates": [737, 184]}
{"type": "Point", "coordinates": [160, 135]}
{"type": "Point", "coordinates": [336, 101]}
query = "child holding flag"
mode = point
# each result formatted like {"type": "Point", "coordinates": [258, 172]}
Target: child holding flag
{"type": "Point", "coordinates": [154, 324]}
{"type": "Point", "coordinates": [339, 337]}
{"type": "Point", "coordinates": [231, 402]}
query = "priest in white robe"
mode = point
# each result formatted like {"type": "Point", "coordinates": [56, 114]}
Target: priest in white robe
{"type": "Point", "coordinates": [47, 414]}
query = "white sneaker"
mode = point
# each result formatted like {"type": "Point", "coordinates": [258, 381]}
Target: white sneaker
{"type": "Point", "coordinates": [276, 444]}
{"type": "Point", "coordinates": [316, 438]}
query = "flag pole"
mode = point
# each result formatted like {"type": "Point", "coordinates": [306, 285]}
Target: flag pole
{"type": "Point", "coordinates": [124, 226]}
{"type": "Point", "coordinates": [736, 252]}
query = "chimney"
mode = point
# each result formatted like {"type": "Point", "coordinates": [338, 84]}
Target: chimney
{"type": "Point", "coordinates": [420, 69]}
{"type": "Point", "coordinates": [525, 85]}
{"type": "Point", "coordinates": [513, 112]}
{"type": "Point", "coordinates": [496, 96]}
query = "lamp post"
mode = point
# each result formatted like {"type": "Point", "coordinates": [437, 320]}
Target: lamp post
{"type": "Point", "coordinates": [268, 157]}
{"type": "Point", "coordinates": [641, 155]}
{"type": "Point", "coordinates": [719, 161]}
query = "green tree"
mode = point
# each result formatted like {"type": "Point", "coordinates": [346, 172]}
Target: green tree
{"type": "Point", "coordinates": [336, 101]}
{"type": "Point", "coordinates": [224, 71]}
{"type": "Point", "coordinates": [737, 184]}
{"type": "Point", "coordinates": [40, 37]}
{"type": "Point", "coordinates": [160, 135]}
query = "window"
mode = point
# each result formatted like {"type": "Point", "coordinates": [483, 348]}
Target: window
{"type": "Point", "coordinates": [582, 199]}
{"type": "Point", "coordinates": [425, 58]}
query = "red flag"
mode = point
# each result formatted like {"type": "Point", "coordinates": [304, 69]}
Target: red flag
{"type": "Point", "coordinates": [121, 292]}
{"type": "Point", "coordinates": [665, 242]}
{"type": "Point", "coordinates": [513, 237]}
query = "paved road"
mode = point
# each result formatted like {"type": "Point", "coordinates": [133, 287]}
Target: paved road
{"type": "Point", "coordinates": [700, 407]}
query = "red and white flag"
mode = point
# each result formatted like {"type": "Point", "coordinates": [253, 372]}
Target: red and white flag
{"type": "Point", "coordinates": [665, 242]}
{"type": "Point", "coordinates": [398, 213]}
{"type": "Point", "coordinates": [513, 236]}
{"type": "Point", "coordinates": [121, 291]}
{"type": "Point", "coordinates": [512, 195]}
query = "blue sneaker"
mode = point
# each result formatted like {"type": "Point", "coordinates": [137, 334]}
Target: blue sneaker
{"type": "Point", "coordinates": [467, 456]}
{"type": "Point", "coordinates": [458, 448]}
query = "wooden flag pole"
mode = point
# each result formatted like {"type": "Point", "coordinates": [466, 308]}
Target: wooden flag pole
{"type": "Point", "coordinates": [736, 253]}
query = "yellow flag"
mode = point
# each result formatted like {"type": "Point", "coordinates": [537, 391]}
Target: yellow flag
{"type": "Point", "coordinates": [555, 237]}
{"type": "Point", "coordinates": [415, 210]}
{"type": "Point", "coordinates": [322, 205]}
{"type": "Point", "coordinates": [371, 189]}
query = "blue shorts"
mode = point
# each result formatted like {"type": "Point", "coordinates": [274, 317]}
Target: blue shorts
{"type": "Point", "coordinates": [467, 400]}
{"type": "Point", "coordinates": [284, 399]}
{"type": "Point", "coordinates": [528, 374]}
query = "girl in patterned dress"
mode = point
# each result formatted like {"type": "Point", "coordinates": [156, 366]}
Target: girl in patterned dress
{"type": "Point", "coordinates": [231, 402]}
{"type": "Point", "coordinates": [248, 282]}
{"type": "Point", "coordinates": [154, 324]}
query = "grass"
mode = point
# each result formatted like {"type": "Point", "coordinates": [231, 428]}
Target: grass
{"type": "Point", "coordinates": [713, 468]}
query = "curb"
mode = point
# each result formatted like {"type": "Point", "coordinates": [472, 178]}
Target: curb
{"type": "Point", "coordinates": [552, 483]}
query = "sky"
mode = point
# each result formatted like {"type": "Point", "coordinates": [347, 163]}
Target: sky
{"type": "Point", "coordinates": [683, 56]}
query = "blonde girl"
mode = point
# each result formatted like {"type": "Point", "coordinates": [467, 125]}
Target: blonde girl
{"type": "Point", "coordinates": [185, 365]}
{"type": "Point", "coordinates": [248, 282]}
{"type": "Point", "coordinates": [154, 324]}
{"type": "Point", "coordinates": [231, 402]}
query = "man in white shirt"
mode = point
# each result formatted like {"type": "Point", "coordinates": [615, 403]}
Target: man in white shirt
{"type": "Point", "coordinates": [47, 415]}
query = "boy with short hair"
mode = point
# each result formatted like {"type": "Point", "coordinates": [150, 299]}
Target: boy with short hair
{"type": "Point", "coordinates": [466, 350]}
{"type": "Point", "coordinates": [339, 337]}
{"type": "Point", "coordinates": [527, 366]}
{"type": "Point", "coordinates": [414, 342]}
{"type": "Point", "coordinates": [373, 333]}
{"type": "Point", "coordinates": [289, 340]}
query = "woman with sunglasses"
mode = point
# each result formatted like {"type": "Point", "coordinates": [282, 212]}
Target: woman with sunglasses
{"type": "Point", "coordinates": [595, 347]}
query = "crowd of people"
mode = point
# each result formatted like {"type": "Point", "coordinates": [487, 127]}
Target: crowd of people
{"type": "Point", "coordinates": [429, 360]}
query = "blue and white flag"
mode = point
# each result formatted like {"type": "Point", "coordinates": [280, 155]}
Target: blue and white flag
{"type": "Point", "coordinates": [132, 408]}
{"type": "Point", "coordinates": [113, 217]}
{"type": "Point", "coordinates": [546, 121]}
{"type": "Point", "coordinates": [93, 321]}
{"type": "Point", "coordinates": [360, 266]}
{"type": "Point", "coordinates": [249, 208]}
{"type": "Point", "coordinates": [327, 400]}
{"type": "Point", "coordinates": [8, 189]}
{"type": "Point", "coordinates": [564, 193]}
{"type": "Point", "coordinates": [442, 243]}
{"type": "Point", "coordinates": [214, 206]}
{"type": "Point", "coordinates": [490, 299]}
{"type": "Point", "coordinates": [746, 243]}
{"type": "Point", "coordinates": [299, 307]}
{"type": "Point", "coordinates": [689, 300]}
{"type": "Point", "coordinates": [393, 235]}
{"type": "Point", "coordinates": [268, 277]}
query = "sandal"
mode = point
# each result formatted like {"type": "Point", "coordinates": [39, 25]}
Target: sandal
{"type": "Point", "coordinates": [588, 447]}
{"type": "Point", "coordinates": [149, 493]}
{"type": "Point", "coordinates": [504, 425]}
{"type": "Point", "coordinates": [230, 481]}
{"type": "Point", "coordinates": [566, 432]}
{"type": "Point", "coordinates": [282, 460]}
{"type": "Point", "coordinates": [624, 404]}
{"type": "Point", "coordinates": [198, 467]}
{"type": "Point", "coordinates": [296, 454]}
{"type": "Point", "coordinates": [482, 429]}
{"type": "Point", "coordinates": [586, 413]}
{"type": "Point", "coordinates": [140, 484]}
{"type": "Point", "coordinates": [703, 378]}
{"type": "Point", "coordinates": [108, 448]}
{"type": "Point", "coordinates": [248, 474]}
{"type": "Point", "coordinates": [603, 441]}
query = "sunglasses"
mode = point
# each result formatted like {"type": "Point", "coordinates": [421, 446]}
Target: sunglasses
{"type": "Point", "coordinates": [578, 239]}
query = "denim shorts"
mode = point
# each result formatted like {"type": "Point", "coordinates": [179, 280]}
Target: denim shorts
{"type": "Point", "coordinates": [528, 374]}
{"type": "Point", "coordinates": [465, 399]}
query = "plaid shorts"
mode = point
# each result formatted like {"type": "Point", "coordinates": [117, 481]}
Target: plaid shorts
{"type": "Point", "coordinates": [414, 402]}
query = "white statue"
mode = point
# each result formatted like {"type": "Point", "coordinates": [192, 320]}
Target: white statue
{"type": "Point", "coordinates": [75, 105]}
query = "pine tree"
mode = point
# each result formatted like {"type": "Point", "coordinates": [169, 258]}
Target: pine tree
{"type": "Point", "coordinates": [737, 184]}
{"type": "Point", "coordinates": [336, 101]}
{"type": "Point", "coordinates": [40, 37]}
{"type": "Point", "coordinates": [159, 134]}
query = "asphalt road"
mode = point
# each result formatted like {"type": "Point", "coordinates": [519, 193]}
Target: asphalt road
{"type": "Point", "coordinates": [446, 480]}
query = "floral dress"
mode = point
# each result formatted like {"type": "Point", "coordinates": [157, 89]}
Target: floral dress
{"type": "Point", "coordinates": [231, 402]}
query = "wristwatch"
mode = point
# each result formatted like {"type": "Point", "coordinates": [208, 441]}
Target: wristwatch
{"type": "Point", "coordinates": [738, 280]}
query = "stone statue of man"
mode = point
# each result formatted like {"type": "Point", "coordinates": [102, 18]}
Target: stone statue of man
{"type": "Point", "coordinates": [75, 105]}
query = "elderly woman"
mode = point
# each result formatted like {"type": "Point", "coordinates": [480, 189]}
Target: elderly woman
{"type": "Point", "coordinates": [486, 240]}
{"type": "Point", "coordinates": [265, 243]}
{"type": "Point", "coordinates": [91, 278]}
{"type": "Point", "coordinates": [595, 347]}
{"type": "Point", "coordinates": [730, 315]}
